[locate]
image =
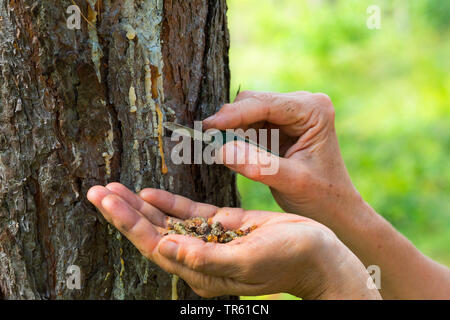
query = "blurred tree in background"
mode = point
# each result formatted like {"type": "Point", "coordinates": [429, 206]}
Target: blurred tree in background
{"type": "Point", "coordinates": [390, 87]}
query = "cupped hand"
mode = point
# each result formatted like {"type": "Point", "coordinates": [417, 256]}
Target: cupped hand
{"type": "Point", "coordinates": [285, 253]}
{"type": "Point", "coordinates": [311, 178]}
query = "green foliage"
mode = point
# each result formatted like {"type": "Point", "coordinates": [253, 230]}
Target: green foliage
{"type": "Point", "coordinates": [438, 12]}
{"type": "Point", "coordinates": [390, 87]}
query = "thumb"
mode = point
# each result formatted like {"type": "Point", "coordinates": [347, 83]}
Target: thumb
{"type": "Point", "coordinates": [258, 165]}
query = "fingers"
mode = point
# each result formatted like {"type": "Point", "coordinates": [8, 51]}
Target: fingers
{"type": "Point", "coordinates": [96, 194]}
{"type": "Point", "coordinates": [207, 258]}
{"type": "Point", "coordinates": [184, 208]}
{"type": "Point", "coordinates": [126, 219]}
{"type": "Point", "coordinates": [176, 205]}
{"type": "Point", "coordinates": [237, 218]}
{"type": "Point", "coordinates": [210, 269]}
{"type": "Point", "coordinates": [188, 258]}
{"type": "Point", "coordinates": [261, 166]}
{"type": "Point", "coordinates": [155, 216]}
{"type": "Point", "coordinates": [215, 268]}
{"type": "Point", "coordinates": [280, 109]}
{"type": "Point", "coordinates": [249, 93]}
{"type": "Point", "coordinates": [131, 224]}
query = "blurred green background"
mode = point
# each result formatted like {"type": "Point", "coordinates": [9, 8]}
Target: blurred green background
{"type": "Point", "coordinates": [390, 88]}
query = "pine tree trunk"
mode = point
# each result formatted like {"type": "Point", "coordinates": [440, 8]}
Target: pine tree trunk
{"type": "Point", "coordinates": [79, 108]}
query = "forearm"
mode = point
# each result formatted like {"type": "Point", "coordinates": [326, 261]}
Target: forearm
{"type": "Point", "coordinates": [312, 181]}
{"type": "Point", "coordinates": [405, 272]}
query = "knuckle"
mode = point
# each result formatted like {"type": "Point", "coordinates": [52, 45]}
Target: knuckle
{"type": "Point", "coordinates": [113, 184]}
{"type": "Point", "coordinates": [330, 112]}
{"type": "Point", "coordinates": [325, 103]}
{"type": "Point", "coordinates": [323, 99]}
{"type": "Point", "coordinates": [232, 109]}
{"type": "Point", "coordinates": [301, 93]}
{"type": "Point", "coordinates": [245, 94]}
{"type": "Point", "coordinates": [146, 194]}
{"type": "Point", "coordinates": [134, 227]}
{"type": "Point", "coordinates": [252, 172]}
{"type": "Point", "coordinates": [226, 107]}
{"type": "Point", "coordinates": [266, 97]}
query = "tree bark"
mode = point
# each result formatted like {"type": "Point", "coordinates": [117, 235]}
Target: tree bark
{"type": "Point", "coordinates": [80, 108]}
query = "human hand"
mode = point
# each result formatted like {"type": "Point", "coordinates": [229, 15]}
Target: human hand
{"type": "Point", "coordinates": [311, 179]}
{"type": "Point", "coordinates": [285, 253]}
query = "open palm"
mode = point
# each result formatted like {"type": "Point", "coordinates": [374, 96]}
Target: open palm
{"type": "Point", "coordinates": [280, 255]}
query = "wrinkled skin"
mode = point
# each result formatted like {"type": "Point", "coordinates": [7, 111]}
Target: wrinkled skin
{"type": "Point", "coordinates": [312, 179]}
{"type": "Point", "coordinates": [286, 253]}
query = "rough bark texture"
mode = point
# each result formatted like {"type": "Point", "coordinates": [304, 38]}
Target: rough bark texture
{"type": "Point", "coordinates": [66, 124]}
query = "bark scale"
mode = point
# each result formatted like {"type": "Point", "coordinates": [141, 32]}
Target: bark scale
{"type": "Point", "coordinates": [80, 108]}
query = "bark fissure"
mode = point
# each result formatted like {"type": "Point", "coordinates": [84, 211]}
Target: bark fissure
{"type": "Point", "coordinates": [64, 129]}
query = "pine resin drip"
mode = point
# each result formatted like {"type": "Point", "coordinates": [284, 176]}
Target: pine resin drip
{"type": "Point", "coordinates": [175, 279]}
{"type": "Point", "coordinates": [164, 169]}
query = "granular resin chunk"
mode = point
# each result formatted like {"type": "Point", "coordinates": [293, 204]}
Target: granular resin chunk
{"type": "Point", "coordinates": [205, 229]}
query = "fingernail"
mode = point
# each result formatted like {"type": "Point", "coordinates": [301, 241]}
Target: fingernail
{"type": "Point", "coordinates": [169, 249]}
